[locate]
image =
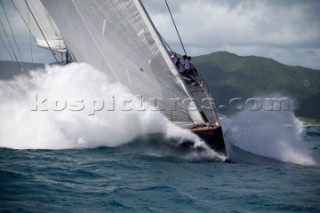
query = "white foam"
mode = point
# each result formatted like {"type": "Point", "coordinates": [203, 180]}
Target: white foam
{"type": "Point", "coordinates": [24, 124]}
{"type": "Point", "coordinates": [272, 134]}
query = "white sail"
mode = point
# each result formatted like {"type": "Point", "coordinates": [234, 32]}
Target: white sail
{"type": "Point", "coordinates": [36, 17]}
{"type": "Point", "coordinates": [118, 37]}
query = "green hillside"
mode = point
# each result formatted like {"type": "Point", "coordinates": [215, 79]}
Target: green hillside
{"type": "Point", "coordinates": [229, 75]}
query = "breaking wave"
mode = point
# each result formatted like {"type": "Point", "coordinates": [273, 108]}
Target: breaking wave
{"type": "Point", "coordinates": [272, 134]}
{"type": "Point", "coordinates": [60, 107]}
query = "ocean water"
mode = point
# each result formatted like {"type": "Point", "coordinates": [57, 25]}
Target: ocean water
{"type": "Point", "coordinates": [95, 160]}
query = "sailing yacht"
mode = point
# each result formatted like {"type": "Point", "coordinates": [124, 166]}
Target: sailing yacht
{"type": "Point", "coordinates": [119, 38]}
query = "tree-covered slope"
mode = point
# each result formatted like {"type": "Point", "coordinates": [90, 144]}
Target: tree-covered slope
{"type": "Point", "coordinates": [229, 76]}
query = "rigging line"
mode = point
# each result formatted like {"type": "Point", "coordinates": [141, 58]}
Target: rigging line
{"type": "Point", "coordinates": [14, 54]}
{"type": "Point", "coordinates": [42, 32]}
{"type": "Point", "coordinates": [14, 38]}
{"type": "Point", "coordinates": [28, 17]}
{"type": "Point", "coordinates": [5, 46]}
{"type": "Point", "coordinates": [176, 27]}
{"type": "Point", "coordinates": [164, 41]}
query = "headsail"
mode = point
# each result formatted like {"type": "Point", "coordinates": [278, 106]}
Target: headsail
{"type": "Point", "coordinates": [34, 9]}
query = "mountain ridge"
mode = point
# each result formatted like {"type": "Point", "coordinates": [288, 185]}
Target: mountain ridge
{"type": "Point", "coordinates": [230, 76]}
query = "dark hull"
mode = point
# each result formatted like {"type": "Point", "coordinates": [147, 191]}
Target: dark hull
{"type": "Point", "coordinates": [213, 138]}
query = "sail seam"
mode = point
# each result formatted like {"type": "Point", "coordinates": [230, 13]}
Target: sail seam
{"type": "Point", "coordinates": [95, 42]}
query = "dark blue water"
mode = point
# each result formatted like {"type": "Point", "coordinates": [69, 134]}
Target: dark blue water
{"type": "Point", "coordinates": [114, 162]}
{"type": "Point", "coordinates": [149, 175]}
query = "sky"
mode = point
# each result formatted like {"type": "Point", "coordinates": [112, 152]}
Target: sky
{"type": "Point", "coordinates": [285, 30]}
{"type": "Point", "coordinates": [23, 38]}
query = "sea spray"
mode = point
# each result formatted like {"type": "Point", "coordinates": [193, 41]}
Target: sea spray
{"type": "Point", "coordinates": [275, 134]}
{"type": "Point", "coordinates": [75, 106]}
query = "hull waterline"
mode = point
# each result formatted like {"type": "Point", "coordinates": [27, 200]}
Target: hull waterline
{"type": "Point", "coordinates": [213, 138]}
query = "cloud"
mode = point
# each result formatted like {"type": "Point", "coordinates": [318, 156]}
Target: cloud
{"type": "Point", "coordinates": [279, 29]}
{"type": "Point", "coordinates": [286, 30]}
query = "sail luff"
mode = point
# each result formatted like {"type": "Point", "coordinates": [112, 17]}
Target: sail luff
{"type": "Point", "coordinates": [196, 116]}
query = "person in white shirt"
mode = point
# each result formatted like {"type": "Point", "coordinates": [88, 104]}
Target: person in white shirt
{"type": "Point", "coordinates": [183, 60]}
{"type": "Point", "coordinates": [174, 57]}
{"type": "Point", "coordinates": [180, 66]}
{"type": "Point", "coordinates": [190, 71]}
{"type": "Point", "coordinates": [190, 63]}
{"type": "Point", "coordinates": [187, 65]}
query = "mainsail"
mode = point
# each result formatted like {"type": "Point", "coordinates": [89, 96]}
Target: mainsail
{"type": "Point", "coordinates": [118, 37]}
